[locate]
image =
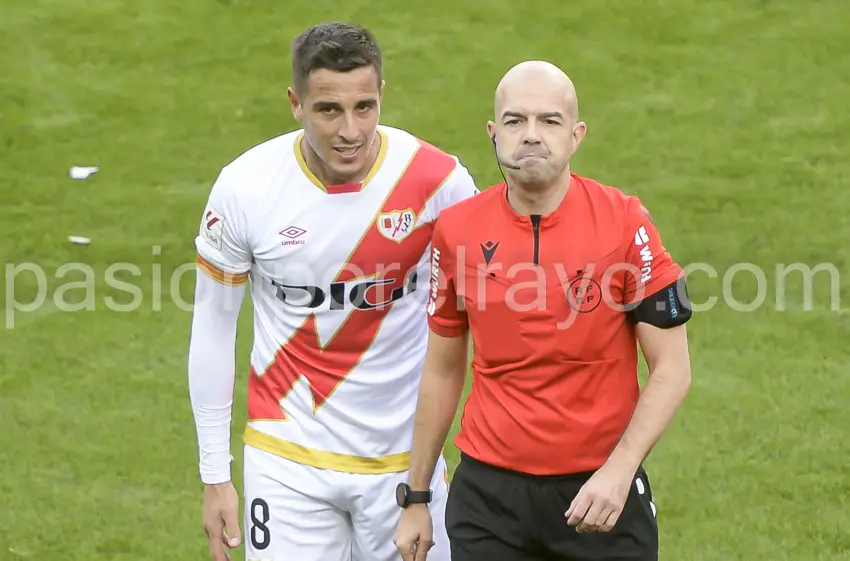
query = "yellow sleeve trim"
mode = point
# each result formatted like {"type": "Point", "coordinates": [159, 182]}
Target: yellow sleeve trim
{"type": "Point", "coordinates": [217, 274]}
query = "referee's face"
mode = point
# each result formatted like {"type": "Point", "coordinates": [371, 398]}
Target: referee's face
{"type": "Point", "coordinates": [339, 112]}
{"type": "Point", "coordinates": [536, 129]}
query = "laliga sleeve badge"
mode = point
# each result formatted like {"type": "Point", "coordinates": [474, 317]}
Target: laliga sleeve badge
{"type": "Point", "coordinates": [212, 228]}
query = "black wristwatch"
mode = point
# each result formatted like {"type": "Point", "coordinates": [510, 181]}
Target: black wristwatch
{"type": "Point", "coordinates": [405, 496]}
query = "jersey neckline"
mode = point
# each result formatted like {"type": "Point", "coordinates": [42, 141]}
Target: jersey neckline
{"type": "Point", "coordinates": [345, 188]}
{"type": "Point", "coordinates": [546, 219]}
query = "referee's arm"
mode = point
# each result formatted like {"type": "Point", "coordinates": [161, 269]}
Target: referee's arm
{"type": "Point", "coordinates": [439, 396]}
{"type": "Point", "coordinates": [445, 368]}
{"type": "Point", "coordinates": [659, 317]}
{"type": "Point", "coordinates": [666, 353]}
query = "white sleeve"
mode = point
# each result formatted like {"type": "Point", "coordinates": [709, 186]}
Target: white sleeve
{"type": "Point", "coordinates": [222, 240]}
{"type": "Point", "coordinates": [212, 371]}
{"type": "Point", "coordinates": [458, 186]}
{"type": "Point", "coordinates": [223, 261]}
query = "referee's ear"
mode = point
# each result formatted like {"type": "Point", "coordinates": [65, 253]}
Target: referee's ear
{"type": "Point", "coordinates": [579, 132]}
{"type": "Point", "coordinates": [667, 308]}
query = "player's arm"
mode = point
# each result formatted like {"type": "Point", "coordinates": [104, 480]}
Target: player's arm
{"type": "Point", "coordinates": [222, 262]}
{"type": "Point", "coordinates": [212, 347]}
{"type": "Point", "coordinates": [446, 363]}
{"type": "Point", "coordinates": [660, 309]}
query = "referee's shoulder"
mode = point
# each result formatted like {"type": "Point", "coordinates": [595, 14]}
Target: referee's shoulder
{"type": "Point", "coordinates": [461, 220]}
{"type": "Point", "coordinates": [604, 196]}
{"type": "Point", "coordinates": [479, 204]}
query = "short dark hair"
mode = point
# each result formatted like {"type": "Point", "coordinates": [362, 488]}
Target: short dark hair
{"type": "Point", "coordinates": [336, 46]}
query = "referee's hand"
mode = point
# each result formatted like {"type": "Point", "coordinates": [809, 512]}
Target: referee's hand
{"type": "Point", "coordinates": [415, 533]}
{"type": "Point", "coordinates": [599, 502]}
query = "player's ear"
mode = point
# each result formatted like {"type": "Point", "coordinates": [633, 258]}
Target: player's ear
{"type": "Point", "coordinates": [294, 103]}
{"type": "Point", "coordinates": [381, 88]}
{"type": "Point", "coordinates": [491, 129]}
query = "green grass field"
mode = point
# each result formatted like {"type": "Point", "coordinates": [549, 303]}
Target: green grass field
{"type": "Point", "coordinates": [725, 117]}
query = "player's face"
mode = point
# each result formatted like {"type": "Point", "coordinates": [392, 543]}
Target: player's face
{"type": "Point", "coordinates": [535, 130]}
{"type": "Point", "coordinates": [339, 112]}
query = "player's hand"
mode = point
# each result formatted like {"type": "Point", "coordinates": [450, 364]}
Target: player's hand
{"type": "Point", "coordinates": [599, 502]}
{"type": "Point", "coordinates": [221, 519]}
{"type": "Point", "coordinates": [415, 533]}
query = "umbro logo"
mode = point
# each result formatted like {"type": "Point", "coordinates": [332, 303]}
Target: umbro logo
{"type": "Point", "coordinates": [292, 233]}
{"type": "Point", "coordinates": [489, 249]}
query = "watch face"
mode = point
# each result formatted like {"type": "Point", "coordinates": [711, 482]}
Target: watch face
{"type": "Point", "coordinates": [401, 494]}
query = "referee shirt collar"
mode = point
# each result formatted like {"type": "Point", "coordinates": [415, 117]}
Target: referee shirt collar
{"type": "Point", "coordinates": [545, 220]}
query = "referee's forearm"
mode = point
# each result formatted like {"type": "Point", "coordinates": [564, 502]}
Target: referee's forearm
{"type": "Point", "coordinates": [439, 396]}
{"type": "Point", "coordinates": [658, 403]}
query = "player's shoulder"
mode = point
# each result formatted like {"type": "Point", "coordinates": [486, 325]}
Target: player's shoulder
{"type": "Point", "coordinates": [401, 136]}
{"type": "Point", "coordinates": [406, 143]}
{"type": "Point", "coordinates": [435, 173]}
{"type": "Point", "coordinates": [265, 156]}
{"type": "Point", "coordinates": [248, 176]}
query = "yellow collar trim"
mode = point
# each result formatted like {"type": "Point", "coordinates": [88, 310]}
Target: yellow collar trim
{"type": "Point", "coordinates": [302, 162]}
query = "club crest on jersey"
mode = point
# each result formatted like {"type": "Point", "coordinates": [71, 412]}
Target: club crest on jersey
{"type": "Point", "coordinates": [397, 224]}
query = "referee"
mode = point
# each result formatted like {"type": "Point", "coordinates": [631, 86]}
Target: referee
{"type": "Point", "coordinates": [558, 278]}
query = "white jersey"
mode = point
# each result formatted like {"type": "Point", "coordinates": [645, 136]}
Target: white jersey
{"type": "Point", "coordinates": [339, 281]}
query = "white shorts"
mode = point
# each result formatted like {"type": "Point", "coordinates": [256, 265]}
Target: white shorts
{"type": "Point", "coordinates": [293, 511]}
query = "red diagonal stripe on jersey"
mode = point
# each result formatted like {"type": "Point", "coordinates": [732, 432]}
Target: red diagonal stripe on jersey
{"type": "Point", "coordinates": [325, 368]}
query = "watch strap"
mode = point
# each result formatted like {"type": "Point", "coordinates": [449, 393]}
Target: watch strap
{"type": "Point", "coordinates": [419, 497]}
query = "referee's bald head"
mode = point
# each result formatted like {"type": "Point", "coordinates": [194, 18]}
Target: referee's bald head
{"type": "Point", "coordinates": [536, 129]}
{"type": "Point", "coordinates": [539, 78]}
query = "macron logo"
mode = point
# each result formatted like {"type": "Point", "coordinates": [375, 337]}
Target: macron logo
{"type": "Point", "coordinates": [489, 249]}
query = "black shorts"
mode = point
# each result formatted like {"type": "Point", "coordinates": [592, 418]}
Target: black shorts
{"type": "Point", "coordinates": [498, 515]}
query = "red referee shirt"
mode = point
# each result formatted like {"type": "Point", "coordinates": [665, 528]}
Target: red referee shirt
{"type": "Point", "coordinates": [555, 363]}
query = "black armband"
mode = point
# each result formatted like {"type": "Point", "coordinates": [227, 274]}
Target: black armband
{"type": "Point", "coordinates": [667, 308]}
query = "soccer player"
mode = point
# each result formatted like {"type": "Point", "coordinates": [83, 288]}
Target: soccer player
{"type": "Point", "coordinates": [331, 225]}
{"type": "Point", "coordinates": [558, 278]}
